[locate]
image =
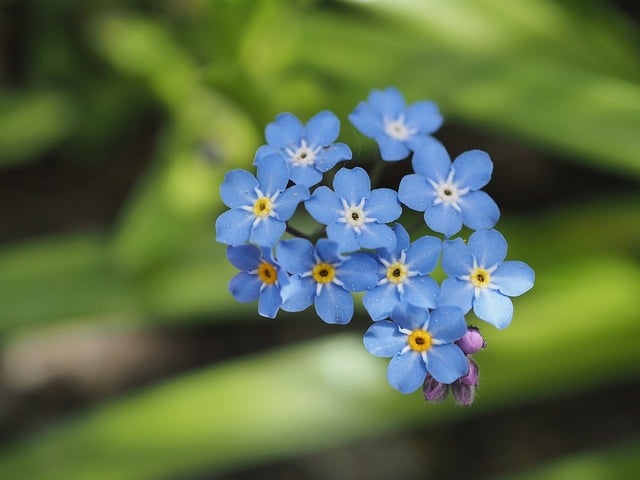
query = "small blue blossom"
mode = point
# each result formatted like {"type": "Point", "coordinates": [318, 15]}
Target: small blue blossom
{"type": "Point", "coordinates": [419, 342]}
{"type": "Point", "coordinates": [480, 278]}
{"type": "Point", "coordinates": [308, 150]}
{"type": "Point", "coordinates": [320, 275]}
{"type": "Point", "coordinates": [403, 275]}
{"type": "Point", "coordinates": [259, 207]}
{"type": "Point", "coordinates": [447, 193]}
{"type": "Point", "coordinates": [354, 214]}
{"type": "Point", "coordinates": [260, 278]}
{"type": "Point", "coordinates": [398, 129]}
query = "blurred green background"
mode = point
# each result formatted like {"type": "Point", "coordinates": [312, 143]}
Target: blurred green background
{"type": "Point", "coordinates": [122, 354]}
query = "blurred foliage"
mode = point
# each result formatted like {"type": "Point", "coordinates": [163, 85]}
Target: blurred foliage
{"type": "Point", "coordinates": [559, 76]}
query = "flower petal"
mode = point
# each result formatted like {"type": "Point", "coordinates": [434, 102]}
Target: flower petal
{"type": "Point", "coordinates": [245, 287]}
{"type": "Point", "coordinates": [409, 316]}
{"type": "Point", "coordinates": [322, 129]}
{"type": "Point", "coordinates": [406, 372]}
{"type": "Point", "coordinates": [267, 232]}
{"type": "Point", "coordinates": [304, 175]}
{"type": "Point", "coordinates": [298, 294]}
{"type": "Point", "coordinates": [402, 239]}
{"type": "Point", "coordinates": [488, 247]}
{"type": "Point", "coordinates": [244, 257]}
{"type": "Point", "coordinates": [423, 116]}
{"type": "Point", "coordinates": [383, 205]}
{"type": "Point", "coordinates": [479, 211]}
{"type": "Point", "coordinates": [324, 205]}
{"type": "Point", "coordinates": [472, 169]}
{"type": "Point", "coordinates": [422, 255]}
{"type": "Point", "coordinates": [513, 278]}
{"type": "Point", "coordinates": [421, 291]}
{"type": "Point", "coordinates": [233, 227]}
{"type": "Point", "coordinates": [344, 236]}
{"type": "Point", "coordinates": [272, 174]}
{"type": "Point", "coordinates": [367, 120]}
{"type": "Point", "coordinates": [269, 301]}
{"type": "Point", "coordinates": [288, 201]}
{"type": "Point", "coordinates": [377, 235]}
{"type": "Point", "coordinates": [285, 131]}
{"type": "Point", "coordinates": [457, 293]}
{"type": "Point", "coordinates": [295, 255]}
{"type": "Point", "coordinates": [446, 363]}
{"type": "Point", "coordinates": [328, 157]}
{"type": "Point", "coordinates": [493, 307]}
{"type": "Point", "coordinates": [431, 160]}
{"type": "Point", "coordinates": [389, 102]}
{"type": "Point", "coordinates": [456, 258]}
{"type": "Point", "coordinates": [358, 272]}
{"type": "Point", "coordinates": [443, 218]}
{"type": "Point", "coordinates": [264, 151]}
{"type": "Point", "coordinates": [391, 150]}
{"type": "Point", "coordinates": [447, 324]}
{"type": "Point", "coordinates": [416, 192]}
{"type": "Point", "coordinates": [238, 188]}
{"type": "Point", "coordinates": [381, 301]}
{"type": "Point", "coordinates": [328, 251]}
{"type": "Point", "coordinates": [334, 305]}
{"type": "Point", "coordinates": [352, 184]}
{"type": "Point", "coordinates": [383, 339]}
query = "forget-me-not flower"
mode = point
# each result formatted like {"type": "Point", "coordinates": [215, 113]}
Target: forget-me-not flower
{"type": "Point", "coordinates": [398, 129]}
{"type": "Point", "coordinates": [354, 214]}
{"type": "Point", "coordinates": [479, 278]}
{"type": "Point", "coordinates": [259, 207]}
{"type": "Point", "coordinates": [324, 277]}
{"type": "Point", "coordinates": [419, 342]}
{"type": "Point", "coordinates": [260, 278]}
{"type": "Point", "coordinates": [449, 193]}
{"type": "Point", "coordinates": [309, 150]}
{"type": "Point", "coordinates": [403, 275]}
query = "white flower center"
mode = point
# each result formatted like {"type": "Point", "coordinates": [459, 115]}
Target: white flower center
{"type": "Point", "coordinates": [397, 129]}
{"type": "Point", "coordinates": [448, 192]}
{"type": "Point", "coordinates": [304, 155]}
{"type": "Point", "coordinates": [354, 215]}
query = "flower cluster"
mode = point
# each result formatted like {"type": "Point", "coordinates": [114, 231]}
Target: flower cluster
{"type": "Point", "coordinates": [360, 244]}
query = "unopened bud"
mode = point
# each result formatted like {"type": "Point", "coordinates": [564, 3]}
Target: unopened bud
{"type": "Point", "coordinates": [463, 394]}
{"type": "Point", "coordinates": [433, 390]}
{"type": "Point", "coordinates": [472, 376]}
{"type": "Point", "coordinates": [471, 342]}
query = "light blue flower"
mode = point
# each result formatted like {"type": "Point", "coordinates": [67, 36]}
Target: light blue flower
{"type": "Point", "coordinates": [403, 275]}
{"type": "Point", "coordinates": [398, 129]}
{"type": "Point", "coordinates": [320, 275]}
{"type": "Point", "coordinates": [260, 278]}
{"type": "Point", "coordinates": [419, 342]}
{"type": "Point", "coordinates": [259, 207]}
{"type": "Point", "coordinates": [449, 194]}
{"type": "Point", "coordinates": [308, 150]}
{"type": "Point", "coordinates": [354, 214]}
{"type": "Point", "coordinates": [480, 278]}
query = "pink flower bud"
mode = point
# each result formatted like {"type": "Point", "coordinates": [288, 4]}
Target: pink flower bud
{"type": "Point", "coordinates": [471, 342]}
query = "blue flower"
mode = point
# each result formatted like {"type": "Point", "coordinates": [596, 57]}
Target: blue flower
{"type": "Point", "coordinates": [403, 275]}
{"type": "Point", "coordinates": [419, 342]}
{"type": "Point", "coordinates": [259, 207]}
{"type": "Point", "coordinates": [354, 214]}
{"type": "Point", "coordinates": [308, 150]}
{"type": "Point", "coordinates": [260, 278]}
{"type": "Point", "coordinates": [396, 128]}
{"type": "Point", "coordinates": [480, 278]}
{"type": "Point", "coordinates": [447, 193]}
{"type": "Point", "coordinates": [322, 276]}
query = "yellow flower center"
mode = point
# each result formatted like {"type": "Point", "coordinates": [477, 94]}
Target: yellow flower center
{"type": "Point", "coordinates": [267, 273]}
{"type": "Point", "coordinates": [480, 278]}
{"type": "Point", "coordinates": [262, 207]}
{"type": "Point", "coordinates": [420, 340]}
{"type": "Point", "coordinates": [323, 272]}
{"type": "Point", "coordinates": [397, 272]}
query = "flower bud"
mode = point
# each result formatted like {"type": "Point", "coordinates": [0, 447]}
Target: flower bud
{"type": "Point", "coordinates": [463, 394]}
{"type": "Point", "coordinates": [472, 376]}
{"type": "Point", "coordinates": [471, 342]}
{"type": "Point", "coordinates": [433, 390]}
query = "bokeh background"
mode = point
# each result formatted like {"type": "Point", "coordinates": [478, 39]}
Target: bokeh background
{"type": "Point", "coordinates": [122, 354]}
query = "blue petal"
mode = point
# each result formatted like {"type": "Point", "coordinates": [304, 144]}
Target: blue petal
{"type": "Point", "coordinates": [267, 232]}
{"type": "Point", "coordinates": [383, 339]}
{"type": "Point", "coordinates": [284, 131]}
{"type": "Point", "coordinates": [233, 227]}
{"type": "Point", "coordinates": [513, 278]}
{"type": "Point", "coordinates": [402, 239]}
{"type": "Point", "coordinates": [493, 307]}
{"type": "Point", "coordinates": [307, 175]}
{"type": "Point", "coordinates": [422, 255]}
{"type": "Point", "coordinates": [423, 116]}
{"type": "Point", "coordinates": [269, 301]}
{"type": "Point", "coordinates": [391, 150]}
{"type": "Point", "coordinates": [264, 151]}
{"type": "Point", "coordinates": [456, 258]}
{"type": "Point", "coordinates": [238, 188]}
{"type": "Point", "coordinates": [406, 372]}
{"type": "Point", "coordinates": [245, 287]}
{"type": "Point", "coordinates": [416, 192]}
{"type": "Point", "coordinates": [383, 205]}
{"type": "Point", "coordinates": [431, 160]}
{"type": "Point", "coordinates": [472, 169]}
{"type": "Point", "coordinates": [334, 305]}
{"type": "Point", "coordinates": [295, 255]}
{"type": "Point", "coordinates": [358, 272]}
{"type": "Point", "coordinates": [410, 317]}
{"type": "Point", "coordinates": [443, 218]}
{"type": "Point", "coordinates": [447, 324]}
{"type": "Point", "coordinates": [273, 175]}
{"type": "Point", "coordinates": [244, 257]}
{"type": "Point", "coordinates": [422, 292]}
{"type": "Point", "coordinates": [288, 201]}
{"type": "Point", "coordinates": [298, 294]}
{"type": "Point", "coordinates": [381, 301]}
{"type": "Point", "coordinates": [479, 210]}
{"type": "Point", "coordinates": [352, 184]}
{"type": "Point", "coordinates": [327, 158]}
{"type": "Point", "coordinates": [389, 102]}
{"type": "Point", "coordinates": [328, 251]}
{"type": "Point", "coordinates": [344, 236]}
{"type": "Point", "coordinates": [377, 235]}
{"type": "Point", "coordinates": [457, 293]}
{"type": "Point", "coordinates": [324, 206]}
{"type": "Point", "coordinates": [322, 129]}
{"type": "Point", "coordinates": [488, 247]}
{"type": "Point", "coordinates": [446, 363]}
{"type": "Point", "coordinates": [366, 119]}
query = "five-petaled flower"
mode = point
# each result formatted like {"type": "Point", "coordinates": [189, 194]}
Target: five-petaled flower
{"type": "Point", "coordinates": [355, 215]}
{"type": "Point", "coordinates": [419, 341]}
{"type": "Point", "coordinates": [479, 277]}
{"type": "Point", "coordinates": [448, 193]}
{"type": "Point", "coordinates": [324, 277]}
{"type": "Point", "coordinates": [259, 207]}
{"type": "Point", "coordinates": [309, 150]}
{"type": "Point", "coordinates": [260, 278]}
{"type": "Point", "coordinates": [403, 275]}
{"type": "Point", "coordinates": [398, 129]}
